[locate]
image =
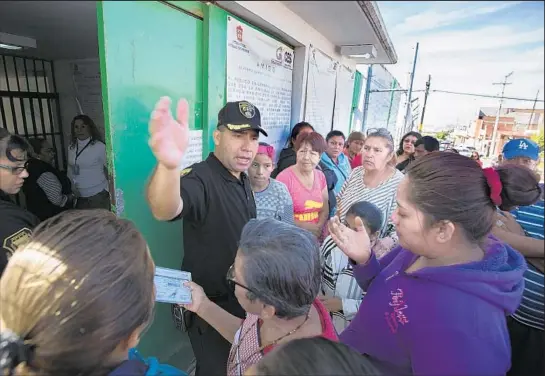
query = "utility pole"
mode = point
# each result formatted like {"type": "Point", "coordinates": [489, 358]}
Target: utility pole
{"type": "Point", "coordinates": [424, 106]}
{"type": "Point", "coordinates": [533, 110]}
{"type": "Point", "coordinates": [408, 115]}
{"type": "Point", "coordinates": [492, 150]}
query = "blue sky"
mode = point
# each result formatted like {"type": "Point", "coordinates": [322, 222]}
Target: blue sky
{"type": "Point", "coordinates": [467, 46]}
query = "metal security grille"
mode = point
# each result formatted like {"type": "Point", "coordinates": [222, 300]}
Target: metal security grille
{"type": "Point", "coordinates": [29, 102]}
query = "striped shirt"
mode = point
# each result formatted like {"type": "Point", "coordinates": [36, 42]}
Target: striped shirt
{"type": "Point", "coordinates": [383, 196]}
{"type": "Point", "coordinates": [531, 309]}
{"type": "Point", "coordinates": [52, 188]}
{"type": "Point", "coordinates": [338, 279]}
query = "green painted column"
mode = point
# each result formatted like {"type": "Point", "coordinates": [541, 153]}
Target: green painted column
{"type": "Point", "coordinates": [147, 50]}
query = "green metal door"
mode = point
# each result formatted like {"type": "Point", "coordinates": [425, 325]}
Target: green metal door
{"type": "Point", "coordinates": [147, 50]}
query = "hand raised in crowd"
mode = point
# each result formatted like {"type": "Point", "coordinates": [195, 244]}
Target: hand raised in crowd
{"type": "Point", "coordinates": [198, 297]}
{"type": "Point", "coordinates": [331, 303]}
{"type": "Point", "coordinates": [169, 138]}
{"type": "Point", "coordinates": [355, 244]}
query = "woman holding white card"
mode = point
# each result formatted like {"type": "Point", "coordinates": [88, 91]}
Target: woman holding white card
{"type": "Point", "coordinates": [276, 277]}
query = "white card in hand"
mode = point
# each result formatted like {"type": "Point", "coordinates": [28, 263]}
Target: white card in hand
{"type": "Point", "coordinates": [169, 286]}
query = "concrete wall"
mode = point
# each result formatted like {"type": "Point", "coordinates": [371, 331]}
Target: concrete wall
{"type": "Point", "coordinates": [67, 93]}
{"type": "Point", "coordinates": [295, 31]}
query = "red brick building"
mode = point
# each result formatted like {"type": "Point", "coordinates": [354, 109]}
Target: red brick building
{"type": "Point", "coordinates": [513, 123]}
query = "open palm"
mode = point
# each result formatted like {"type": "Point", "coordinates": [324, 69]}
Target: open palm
{"type": "Point", "coordinates": [169, 138]}
{"type": "Point", "coordinates": [355, 244]}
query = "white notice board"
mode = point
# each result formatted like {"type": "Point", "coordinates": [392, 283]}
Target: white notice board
{"type": "Point", "coordinates": [343, 99]}
{"type": "Point", "coordinates": [259, 70]}
{"type": "Point", "coordinates": [193, 154]}
{"type": "Point", "coordinates": [320, 98]}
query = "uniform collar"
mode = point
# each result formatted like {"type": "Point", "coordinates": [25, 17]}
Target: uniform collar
{"type": "Point", "coordinates": [4, 196]}
{"type": "Point", "coordinates": [219, 168]}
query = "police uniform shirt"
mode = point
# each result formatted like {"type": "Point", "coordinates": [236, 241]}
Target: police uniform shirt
{"type": "Point", "coordinates": [16, 226]}
{"type": "Point", "coordinates": [216, 207]}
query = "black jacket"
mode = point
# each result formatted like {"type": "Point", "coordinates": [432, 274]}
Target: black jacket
{"type": "Point", "coordinates": [16, 225]}
{"type": "Point", "coordinates": [36, 199]}
{"type": "Point", "coordinates": [287, 158]}
{"type": "Point", "coordinates": [331, 180]}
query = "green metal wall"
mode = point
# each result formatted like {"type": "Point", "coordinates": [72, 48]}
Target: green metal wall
{"type": "Point", "coordinates": [147, 50]}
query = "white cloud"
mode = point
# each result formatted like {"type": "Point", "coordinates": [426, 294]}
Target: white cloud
{"type": "Point", "coordinates": [435, 18]}
{"type": "Point", "coordinates": [471, 61]}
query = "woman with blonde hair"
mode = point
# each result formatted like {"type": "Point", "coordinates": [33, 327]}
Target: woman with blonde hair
{"type": "Point", "coordinates": [77, 299]}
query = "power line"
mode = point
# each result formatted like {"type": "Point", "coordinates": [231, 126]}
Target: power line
{"type": "Point", "coordinates": [490, 96]}
{"type": "Point", "coordinates": [461, 93]}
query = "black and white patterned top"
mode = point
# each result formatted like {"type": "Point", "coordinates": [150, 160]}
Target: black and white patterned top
{"type": "Point", "coordinates": [383, 196]}
{"type": "Point", "coordinates": [275, 202]}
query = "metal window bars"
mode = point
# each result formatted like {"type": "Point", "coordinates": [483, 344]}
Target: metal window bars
{"type": "Point", "coordinates": [29, 102]}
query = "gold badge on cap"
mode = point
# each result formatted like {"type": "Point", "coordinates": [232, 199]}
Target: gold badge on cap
{"type": "Point", "coordinates": [247, 109]}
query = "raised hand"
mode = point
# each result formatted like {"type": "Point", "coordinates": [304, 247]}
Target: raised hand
{"type": "Point", "coordinates": [169, 138]}
{"type": "Point", "coordinates": [355, 244]}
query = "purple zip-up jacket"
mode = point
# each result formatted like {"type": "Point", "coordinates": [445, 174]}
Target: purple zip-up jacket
{"type": "Point", "coordinates": [446, 320]}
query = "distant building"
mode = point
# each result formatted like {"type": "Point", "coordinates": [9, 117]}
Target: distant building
{"type": "Point", "coordinates": [513, 123]}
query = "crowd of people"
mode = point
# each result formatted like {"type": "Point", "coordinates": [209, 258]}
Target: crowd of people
{"type": "Point", "coordinates": [345, 257]}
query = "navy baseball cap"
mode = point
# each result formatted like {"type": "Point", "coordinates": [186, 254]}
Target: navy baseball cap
{"type": "Point", "coordinates": [240, 116]}
{"type": "Point", "coordinates": [521, 147]}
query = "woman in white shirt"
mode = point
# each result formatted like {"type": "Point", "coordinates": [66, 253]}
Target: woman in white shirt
{"type": "Point", "coordinates": [87, 165]}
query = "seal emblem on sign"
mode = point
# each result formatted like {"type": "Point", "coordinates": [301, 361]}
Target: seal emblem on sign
{"type": "Point", "coordinates": [240, 30]}
{"type": "Point", "coordinates": [247, 109]}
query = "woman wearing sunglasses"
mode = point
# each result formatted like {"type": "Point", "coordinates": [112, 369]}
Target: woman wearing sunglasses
{"type": "Point", "coordinates": [276, 279]}
{"type": "Point", "coordinates": [15, 222]}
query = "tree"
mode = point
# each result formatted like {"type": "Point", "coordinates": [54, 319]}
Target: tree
{"type": "Point", "coordinates": [443, 135]}
{"type": "Point", "coordinates": [539, 139]}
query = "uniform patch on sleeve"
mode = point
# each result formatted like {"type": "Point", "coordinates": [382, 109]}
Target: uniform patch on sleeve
{"type": "Point", "coordinates": [185, 171]}
{"type": "Point", "coordinates": [16, 240]}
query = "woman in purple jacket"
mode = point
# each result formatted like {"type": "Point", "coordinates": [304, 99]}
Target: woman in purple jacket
{"type": "Point", "coordinates": [436, 305]}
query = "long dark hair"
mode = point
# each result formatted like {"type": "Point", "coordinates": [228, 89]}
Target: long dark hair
{"type": "Point", "coordinates": [93, 130]}
{"type": "Point", "coordinates": [449, 186]}
{"type": "Point", "coordinates": [295, 132]}
{"type": "Point", "coordinates": [412, 133]}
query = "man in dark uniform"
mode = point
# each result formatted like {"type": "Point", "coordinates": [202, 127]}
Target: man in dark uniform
{"type": "Point", "coordinates": [16, 223]}
{"type": "Point", "coordinates": [215, 199]}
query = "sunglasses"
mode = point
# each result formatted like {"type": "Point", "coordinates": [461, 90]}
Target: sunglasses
{"type": "Point", "coordinates": [232, 283]}
{"type": "Point", "coordinates": [378, 132]}
{"type": "Point", "coordinates": [15, 170]}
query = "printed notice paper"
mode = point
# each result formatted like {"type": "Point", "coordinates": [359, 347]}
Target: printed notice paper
{"type": "Point", "coordinates": [260, 70]}
{"type": "Point", "coordinates": [169, 285]}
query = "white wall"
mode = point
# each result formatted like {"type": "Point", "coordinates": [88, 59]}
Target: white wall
{"type": "Point", "coordinates": [64, 78]}
{"type": "Point", "coordinates": [301, 35]}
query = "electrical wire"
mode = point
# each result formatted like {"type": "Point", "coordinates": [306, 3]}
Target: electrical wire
{"type": "Point", "coordinates": [460, 93]}
{"type": "Point", "coordinates": [489, 96]}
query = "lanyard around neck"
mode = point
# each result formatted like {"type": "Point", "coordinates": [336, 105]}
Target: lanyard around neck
{"type": "Point", "coordinates": [81, 151]}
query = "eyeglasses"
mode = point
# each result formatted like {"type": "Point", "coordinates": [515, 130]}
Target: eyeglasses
{"type": "Point", "coordinates": [231, 280]}
{"type": "Point", "coordinates": [15, 170]}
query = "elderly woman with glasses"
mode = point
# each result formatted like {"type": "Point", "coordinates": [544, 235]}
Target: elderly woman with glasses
{"type": "Point", "coordinates": [375, 181]}
{"type": "Point", "coordinates": [276, 278]}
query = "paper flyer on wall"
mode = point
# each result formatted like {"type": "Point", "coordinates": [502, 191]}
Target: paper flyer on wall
{"type": "Point", "coordinates": [169, 286]}
{"type": "Point", "coordinates": [260, 70]}
{"type": "Point", "coordinates": [320, 97]}
{"type": "Point", "coordinates": [343, 99]}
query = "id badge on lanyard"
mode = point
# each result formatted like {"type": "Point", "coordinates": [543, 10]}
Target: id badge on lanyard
{"type": "Point", "coordinates": [75, 167]}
